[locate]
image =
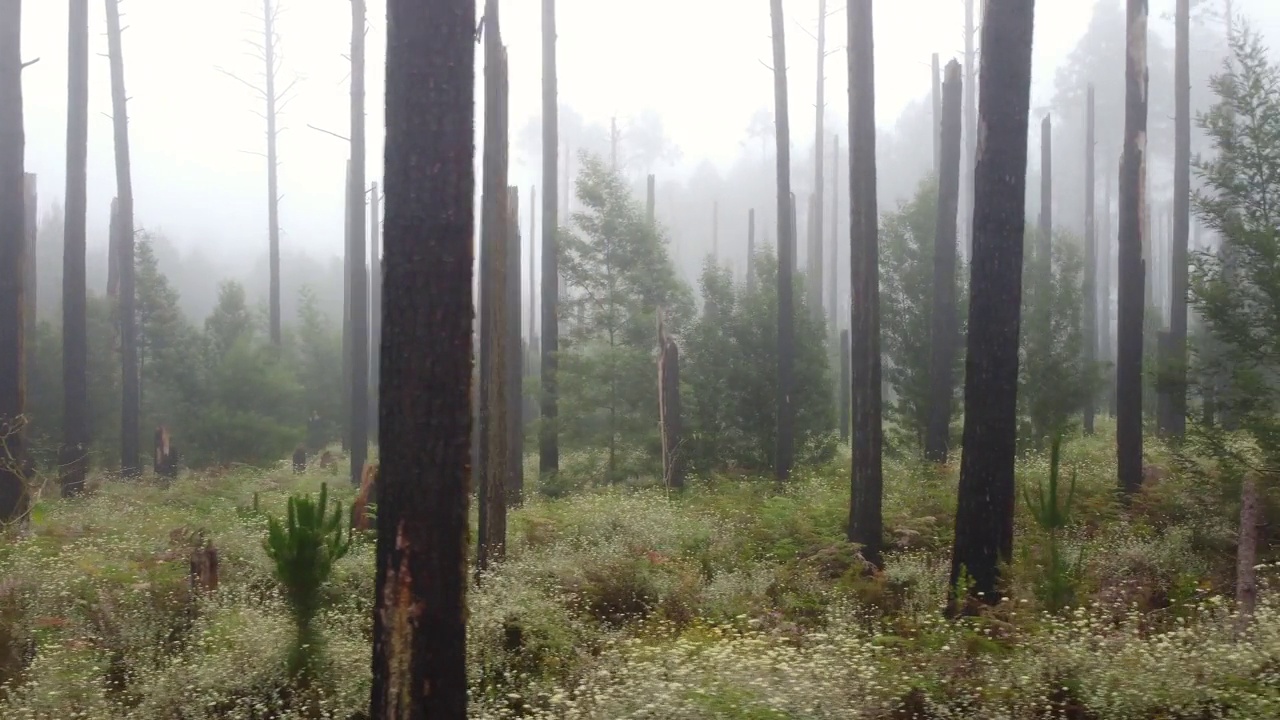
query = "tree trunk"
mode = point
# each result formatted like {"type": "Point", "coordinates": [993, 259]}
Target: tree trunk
{"type": "Point", "coordinates": [495, 231]}
{"type": "Point", "coordinates": [1247, 552]}
{"type": "Point", "coordinates": [1044, 235]}
{"type": "Point", "coordinates": [1090, 262]}
{"type": "Point", "coordinates": [1108, 253]}
{"type": "Point", "coordinates": [1181, 221]}
{"type": "Point", "coordinates": [375, 306]}
{"type": "Point", "coordinates": [533, 280]}
{"type": "Point", "coordinates": [113, 252]}
{"type": "Point", "coordinates": [816, 236]}
{"type": "Point", "coordinates": [273, 187]}
{"type": "Point", "coordinates": [936, 126]}
{"type": "Point", "coordinates": [834, 247]}
{"type": "Point", "coordinates": [944, 316]}
{"type": "Point", "coordinates": [786, 253]}
{"type": "Point", "coordinates": [12, 266]}
{"type": "Point", "coordinates": [130, 406]}
{"type": "Point", "coordinates": [970, 129]}
{"type": "Point", "coordinates": [419, 626]}
{"type": "Point", "coordinates": [866, 489]}
{"type": "Point", "coordinates": [845, 395]}
{"type": "Point", "coordinates": [669, 415]}
{"type": "Point", "coordinates": [751, 250]}
{"type": "Point", "coordinates": [548, 445]}
{"type": "Point", "coordinates": [985, 502]}
{"type": "Point", "coordinates": [74, 457]}
{"type": "Point", "coordinates": [359, 270]}
{"type": "Point", "coordinates": [346, 310]}
{"type": "Point", "coordinates": [31, 291]}
{"type": "Point", "coordinates": [515, 353]}
{"type": "Point", "coordinates": [1129, 382]}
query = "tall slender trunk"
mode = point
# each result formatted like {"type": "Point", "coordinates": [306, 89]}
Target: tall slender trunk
{"type": "Point", "coordinates": [935, 127]}
{"type": "Point", "coordinates": [419, 617]}
{"type": "Point", "coordinates": [970, 129]}
{"type": "Point", "coordinates": [113, 252]}
{"type": "Point", "coordinates": [375, 306]}
{"type": "Point", "coordinates": [751, 250]}
{"type": "Point", "coordinates": [1107, 252]}
{"type": "Point", "coordinates": [12, 265]}
{"type": "Point", "coordinates": [347, 262]}
{"type": "Point", "coordinates": [74, 457]}
{"type": "Point", "coordinates": [945, 313]}
{"type": "Point", "coordinates": [1044, 236]}
{"type": "Point", "coordinates": [1247, 552]}
{"type": "Point", "coordinates": [786, 253]}
{"type": "Point", "coordinates": [1129, 382]}
{"type": "Point", "coordinates": [359, 271]}
{"type": "Point", "coordinates": [494, 235]}
{"type": "Point", "coordinates": [549, 446]}
{"type": "Point", "coordinates": [834, 243]}
{"type": "Point", "coordinates": [273, 188]}
{"type": "Point", "coordinates": [1090, 262]}
{"type": "Point", "coordinates": [845, 391]}
{"type": "Point", "coordinates": [985, 502]}
{"type": "Point", "coordinates": [130, 406]}
{"type": "Point", "coordinates": [533, 280]}
{"type": "Point", "coordinates": [514, 354]}
{"type": "Point", "coordinates": [31, 292]}
{"type": "Point", "coordinates": [669, 415]}
{"type": "Point", "coordinates": [816, 236]}
{"type": "Point", "coordinates": [867, 482]}
{"type": "Point", "coordinates": [1181, 220]}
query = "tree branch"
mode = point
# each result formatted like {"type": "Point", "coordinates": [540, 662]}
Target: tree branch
{"type": "Point", "coordinates": [329, 132]}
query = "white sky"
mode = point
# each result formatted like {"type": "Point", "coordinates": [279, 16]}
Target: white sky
{"type": "Point", "coordinates": [697, 62]}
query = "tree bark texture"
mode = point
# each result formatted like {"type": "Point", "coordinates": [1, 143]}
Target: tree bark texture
{"type": "Point", "coordinates": [1181, 220]}
{"type": "Point", "coordinates": [867, 480]}
{"type": "Point", "coordinates": [944, 318]}
{"type": "Point", "coordinates": [515, 353]}
{"type": "Point", "coordinates": [844, 386]}
{"type": "Point", "coordinates": [358, 268]}
{"type": "Point", "coordinates": [1090, 260]}
{"type": "Point", "coordinates": [816, 237]}
{"type": "Point", "coordinates": [375, 305]}
{"type": "Point", "coordinates": [74, 457]}
{"type": "Point", "coordinates": [786, 253]}
{"type": "Point", "coordinates": [12, 266]}
{"type": "Point", "coordinates": [130, 406]}
{"type": "Point", "coordinates": [549, 446]}
{"type": "Point", "coordinates": [1247, 551]}
{"type": "Point", "coordinates": [1129, 330]}
{"type": "Point", "coordinates": [419, 630]}
{"type": "Point", "coordinates": [985, 503]}
{"type": "Point", "coordinates": [113, 252]}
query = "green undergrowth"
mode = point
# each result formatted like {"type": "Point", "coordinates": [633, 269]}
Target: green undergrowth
{"type": "Point", "coordinates": [737, 599]}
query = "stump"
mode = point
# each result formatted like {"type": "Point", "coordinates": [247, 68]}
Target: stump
{"type": "Point", "coordinates": [299, 459]}
{"type": "Point", "coordinates": [368, 494]}
{"type": "Point", "coordinates": [204, 568]}
{"type": "Point", "coordinates": [165, 462]}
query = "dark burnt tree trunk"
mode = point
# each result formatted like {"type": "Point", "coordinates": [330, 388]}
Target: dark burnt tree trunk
{"type": "Point", "coordinates": [12, 265]}
{"type": "Point", "coordinates": [494, 232]}
{"type": "Point", "coordinates": [515, 353]}
{"type": "Point", "coordinates": [419, 619]}
{"type": "Point", "coordinates": [669, 412]}
{"type": "Point", "coordinates": [549, 444]}
{"type": "Point", "coordinates": [845, 396]}
{"type": "Point", "coordinates": [867, 481]}
{"type": "Point", "coordinates": [1129, 315]}
{"type": "Point", "coordinates": [1090, 261]}
{"type": "Point", "coordinates": [944, 318]}
{"type": "Point", "coordinates": [359, 408]}
{"type": "Point", "coordinates": [74, 457]}
{"type": "Point", "coordinates": [130, 405]}
{"type": "Point", "coordinates": [985, 503]}
{"type": "Point", "coordinates": [786, 253]}
{"type": "Point", "coordinates": [1181, 222]}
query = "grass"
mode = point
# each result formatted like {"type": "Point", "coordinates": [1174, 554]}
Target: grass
{"type": "Point", "coordinates": [735, 600]}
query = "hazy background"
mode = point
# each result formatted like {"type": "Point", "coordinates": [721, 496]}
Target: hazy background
{"type": "Point", "coordinates": [688, 70]}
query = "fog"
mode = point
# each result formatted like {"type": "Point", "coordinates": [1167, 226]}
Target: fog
{"type": "Point", "coordinates": [685, 81]}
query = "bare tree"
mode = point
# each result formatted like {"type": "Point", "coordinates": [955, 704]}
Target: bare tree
{"type": "Point", "coordinates": [515, 354]}
{"type": "Point", "coordinates": [375, 304]}
{"type": "Point", "coordinates": [549, 446]}
{"type": "Point", "coordinates": [1090, 259]}
{"type": "Point", "coordinates": [1181, 220]}
{"type": "Point", "coordinates": [816, 237]}
{"type": "Point", "coordinates": [786, 253]}
{"type": "Point", "coordinates": [419, 618]}
{"type": "Point", "coordinates": [268, 53]}
{"type": "Point", "coordinates": [985, 503]}
{"type": "Point", "coordinates": [867, 480]}
{"type": "Point", "coordinates": [1129, 384]}
{"type": "Point", "coordinates": [358, 272]}
{"type": "Point", "coordinates": [75, 342]}
{"type": "Point", "coordinates": [970, 127]}
{"type": "Point", "coordinates": [130, 406]}
{"type": "Point", "coordinates": [935, 81]}
{"type": "Point", "coordinates": [944, 318]}
{"type": "Point", "coordinates": [1044, 234]}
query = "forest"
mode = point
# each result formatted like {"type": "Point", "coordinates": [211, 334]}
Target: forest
{"type": "Point", "coordinates": [574, 427]}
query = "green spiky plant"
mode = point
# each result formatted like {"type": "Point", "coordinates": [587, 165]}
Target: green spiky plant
{"type": "Point", "coordinates": [1057, 586]}
{"type": "Point", "coordinates": [304, 549]}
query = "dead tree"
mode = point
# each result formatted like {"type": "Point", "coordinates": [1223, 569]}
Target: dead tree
{"type": "Point", "coordinates": [944, 317]}
{"type": "Point", "coordinates": [844, 386]}
{"type": "Point", "coordinates": [514, 355]}
{"type": "Point", "coordinates": [113, 253]}
{"type": "Point", "coordinates": [936, 127]}
{"type": "Point", "coordinates": [268, 53]}
{"type": "Point", "coordinates": [1090, 261]}
{"type": "Point", "coordinates": [30, 205]}
{"type": "Point", "coordinates": [1129, 383]}
{"type": "Point", "coordinates": [1106, 252]}
{"type": "Point", "coordinates": [13, 248]}
{"type": "Point", "coordinates": [985, 502]}
{"type": "Point", "coordinates": [359, 277]}
{"type": "Point", "coordinates": [669, 413]}
{"type": "Point", "coordinates": [786, 253]}
{"type": "Point", "coordinates": [419, 626]}
{"type": "Point", "coordinates": [74, 457]}
{"type": "Point", "coordinates": [816, 237]}
{"type": "Point", "coordinates": [1181, 222]}
{"type": "Point", "coordinates": [867, 480]}
{"type": "Point", "coordinates": [130, 406]}
{"type": "Point", "coordinates": [970, 127]}
{"type": "Point", "coordinates": [548, 445]}
{"type": "Point", "coordinates": [347, 262]}
{"type": "Point", "coordinates": [834, 245]}
{"type": "Point", "coordinates": [375, 305]}
{"type": "Point", "coordinates": [494, 234]}
{"type": "Point", "coordinates": [164, 461]}
{"type": "Point", "coordinates": [1044, 234]}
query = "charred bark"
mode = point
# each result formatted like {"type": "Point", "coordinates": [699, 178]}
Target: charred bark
{"type": "Point", "coordinates": [1129, 381]}
{"type": "Point", "coordinates": [970, 128]}
{"type": "Point", "coordinates": [13, 494]}
{"type": "Point", "coordinates": [515, 354]}
{"type": "Point", "coordinates": [985, 503]}
{"type": "Point", "coordinates": [74, 457]}
{"type": "Point", "coordinates": [549, 445]}
{"type": "Point", "coordinates": [786, 253]}
{"type": "Point", "coordinates": [936, 126]}
{"type": "Point", "coordinates": [944, 318]}
{"type": "Point", "coordinates": [419, 627]}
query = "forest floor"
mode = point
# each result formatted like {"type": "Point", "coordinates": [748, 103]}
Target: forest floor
{"type": "Point", "coordinates": [735, 600]}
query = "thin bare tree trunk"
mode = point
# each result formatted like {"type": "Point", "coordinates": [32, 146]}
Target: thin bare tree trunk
{"type": "Point", "coordinates": [985, 501]}
{"type": "Point", "coordinates": [834, 246]}
{"type": "Point", "coordinates": [1090, 261]}
{"type": "Point", "coordinates": [669, 414]}
{"type": "Point", "coordinates": [74, 457]}
{"type": "Point", "coordinates": [359, 268]}
{"type": "Point", "coordinates": [30, 205]}
{"type": "Point", "coordinates": [970, 129]}
{"type": "Point", "coordinates": [945, 317]}
{"type": "Point", "coordinates": [130, 406]}
{"type": "Point", "coordinates": [816, 236]}
{"type": "Point", "coordinates": [786, 253]}
{"type": "Point", "coordinates": [1044, 236]}
{"type": "Point", "coordinates": [751, 250]}
{"type": "Point", "coordinates": [375, 306]}
{"type": "Point", "coordinates": [514, 352]}
{"type": "Point", "coordinates": [937, 118]}
{"type": "Point", "coordinates": [1129, 381]}
{"type": "Point", "coordinates": [419, 618]}
{"type": "Point", "coordinates": [13, 497]}
{"type": "Point", "coordinates": [845, 391]}
{"type": "Point", "coordinates": [1181, 220]}
{"type": "Point", "coordinates": [1107, 251]}
{"type": "Point", "coordinates": [273, 185]}
{"type": "Point", "coordinates": [549, 446]}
